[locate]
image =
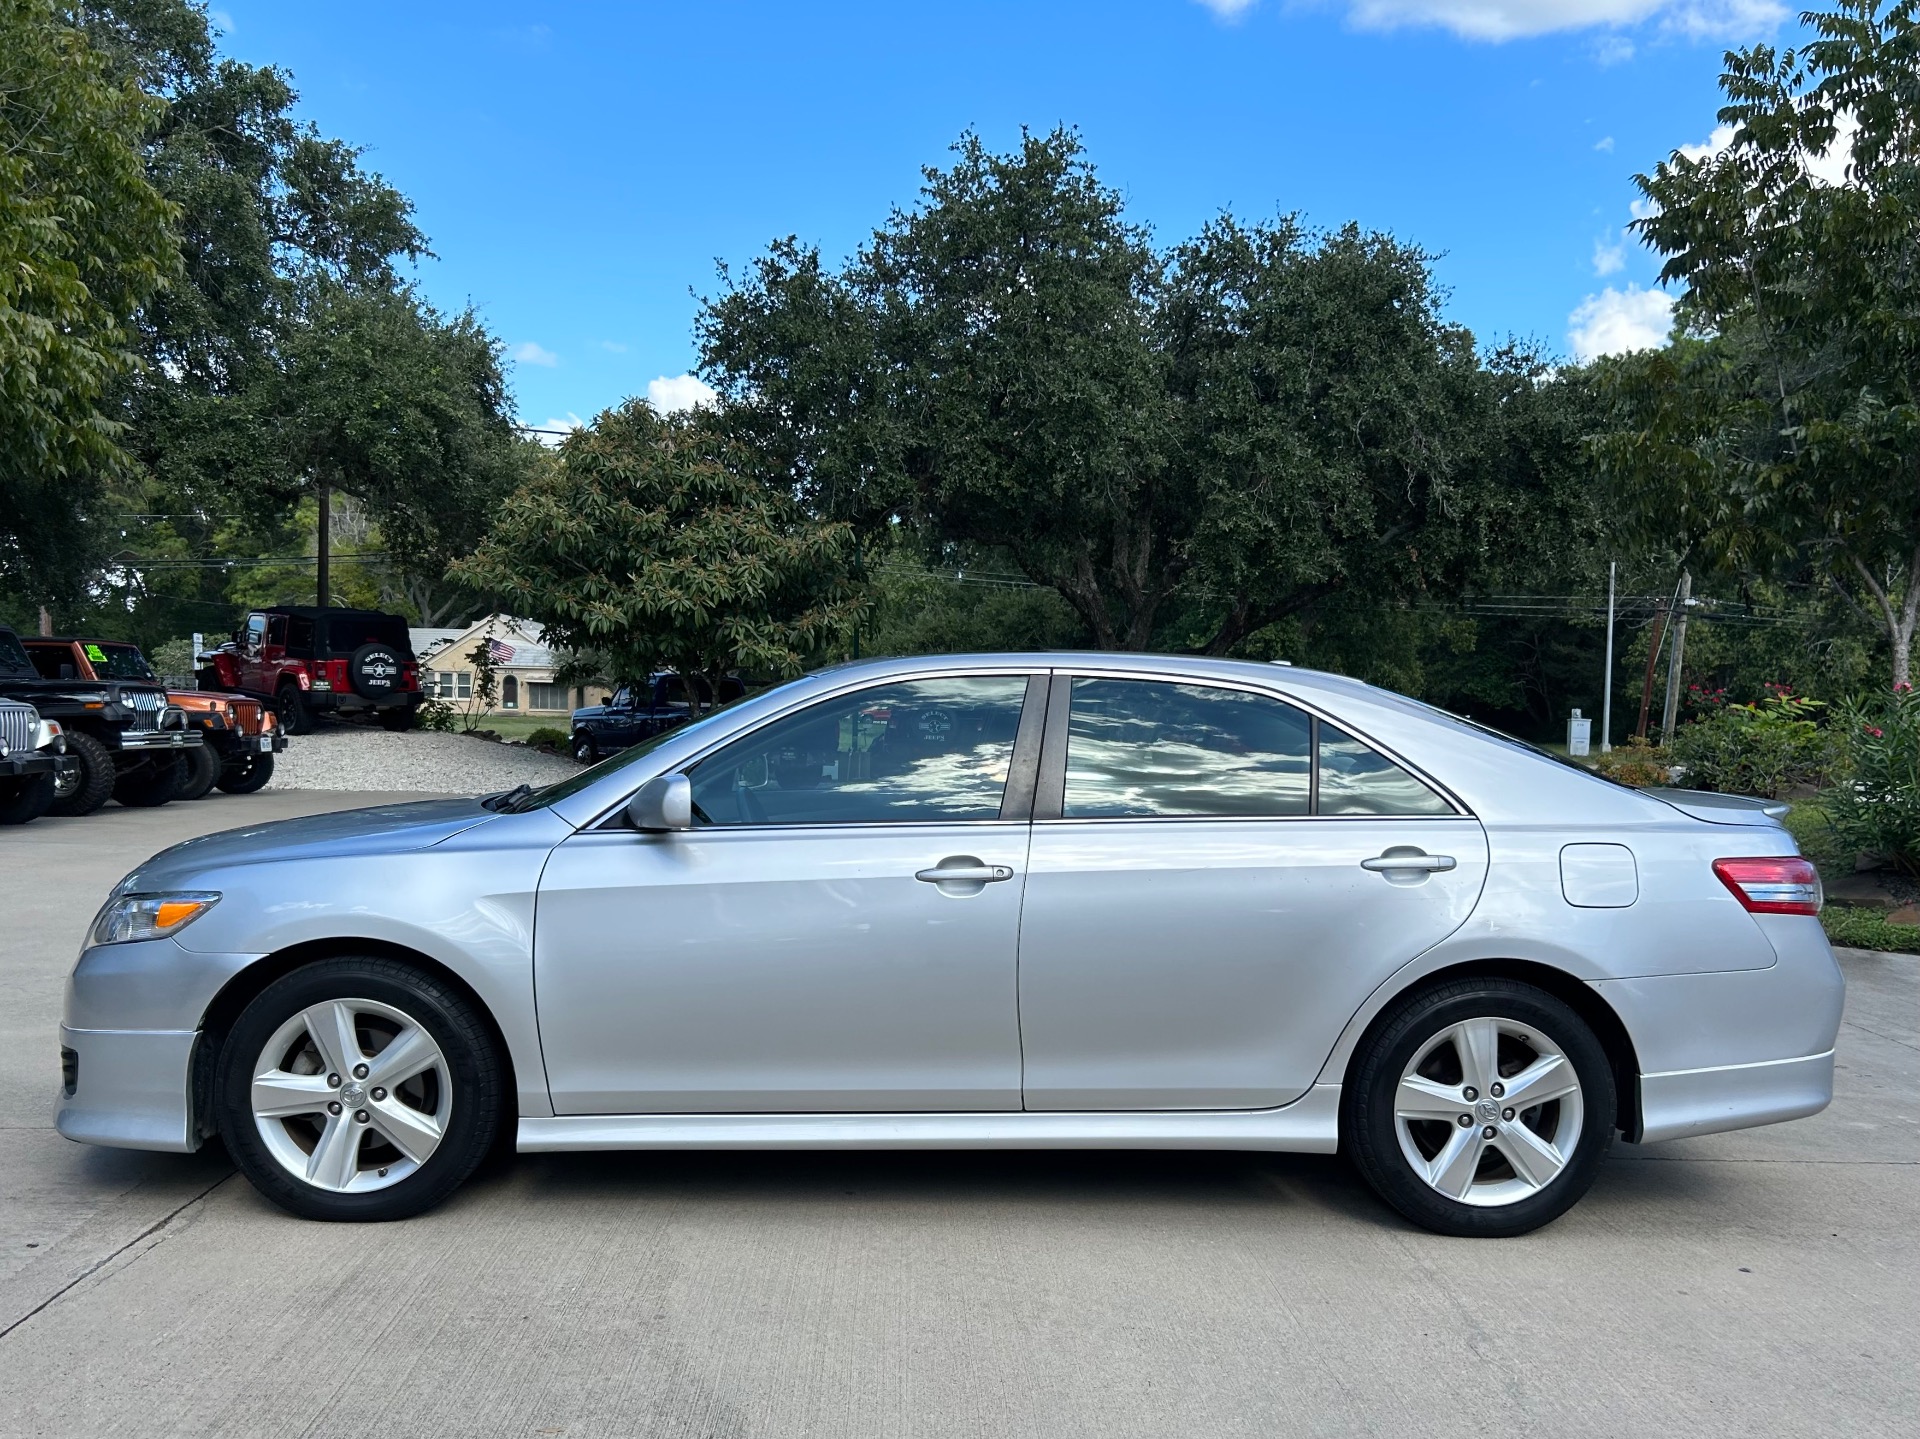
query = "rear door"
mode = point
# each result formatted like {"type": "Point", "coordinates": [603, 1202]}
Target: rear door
{"type": "Point", "coordinates": [1217, 880]}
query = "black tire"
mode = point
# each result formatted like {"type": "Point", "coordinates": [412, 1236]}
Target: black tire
{"type": "Point", "coordinates": [91, 785]}
{"type": "Point", "coordinates": [584, 749]}
{"type": "Point", "coordinates": [397, 720]}
{"type": "Point", "coordinates": [291, 709]}
{"type": "Point", "coordinates": [154, 781]}
{"type": "Point", "coordinates": [200, 770]}
{"type": "Point", "coordinates": [246, 773]}
{"type": "Point", "coordinates": [478, 1080]}
{"type": "Point", "coordinates": [25, 799]}
{"type": "Point", "coordinates": [1373, 1141]}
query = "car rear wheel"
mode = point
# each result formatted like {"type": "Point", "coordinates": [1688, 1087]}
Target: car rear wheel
{"type": "Point", "coordinates": [152, 782]}
{"type": "Point", "coordinates": [246, 773]}
{"type": "Point", "coordinates": [358, 1089]}
{"type": "Point", "coordinates": [1481, 1108]}
{"type": "Point", "coordinates": [25, 799]}
{"type": "Point", "coordinates": [200, 770]}
{"type": "Point", "coordinates": [291, 709]}
{"type": "Point", "coordinates": [88, 783]}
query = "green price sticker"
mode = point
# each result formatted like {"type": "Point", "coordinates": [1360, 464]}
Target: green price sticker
{"type": "Point", "coordinates": [96, 654]}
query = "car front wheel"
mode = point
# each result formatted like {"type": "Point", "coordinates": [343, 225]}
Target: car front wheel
{"type": "Point", "coordinates": [1481, 1108]}
{"type": "Point", "coordinates": [358, 1089]}
{"type": "Point", "coordinates": [584, 750]}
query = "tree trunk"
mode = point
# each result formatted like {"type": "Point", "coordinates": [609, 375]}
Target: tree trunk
{"type": "Point", "coordinates": [1901, 620]}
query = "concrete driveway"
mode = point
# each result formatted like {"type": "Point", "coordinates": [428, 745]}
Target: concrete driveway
{"type": "Point", "coordinates": [1757, 1284]}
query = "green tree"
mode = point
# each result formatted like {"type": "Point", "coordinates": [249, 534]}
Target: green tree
{"type": "Point", "coordinates": [647, 545]}
{"type": "Point", "coordinates": [1783, 429]}
{"type": "Point", "coordinates": [84, 243]}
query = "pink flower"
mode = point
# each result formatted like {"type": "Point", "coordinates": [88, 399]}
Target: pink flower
{"type": "Point", "coordinates": [1901, 687]}
{"type": "Point", "coordinates": [1876, 733]}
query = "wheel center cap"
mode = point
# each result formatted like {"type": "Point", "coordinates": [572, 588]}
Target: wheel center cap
{"type": "Point", "coordinates": [353, 1095]}
{"type": "Point", "coordinates": [1488, 1111]}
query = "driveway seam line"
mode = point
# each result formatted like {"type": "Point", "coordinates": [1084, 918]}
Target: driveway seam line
{"type": "Point", "coordinates": [103, 1262]}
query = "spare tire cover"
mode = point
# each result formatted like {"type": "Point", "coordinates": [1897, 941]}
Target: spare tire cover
{"type": "Point", "coordinates": [374, 671]}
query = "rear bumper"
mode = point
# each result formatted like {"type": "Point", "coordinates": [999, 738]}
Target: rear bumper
{"type": "Point", "coordinates": [347, 702]}
{"type": "Point", "coordinates": [130, 1089]}
{"type": "Point", "coordinates": [1737, 1096]}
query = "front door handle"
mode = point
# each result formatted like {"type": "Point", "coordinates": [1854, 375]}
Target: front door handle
{"type": "Point", "coordinates": [1404, 859]}
{"type": "Point", "coordinates": [964, 869]}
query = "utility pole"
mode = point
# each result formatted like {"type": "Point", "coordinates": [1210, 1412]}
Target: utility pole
{"type": "Point", "coordinates": [1653, 658]}
{"type": "Point", "coordinates": [1606, 689]}
{"type": "Point", "coordinates": [1676, 658]}
{"type": "Point", "coordinates": [324, 548]}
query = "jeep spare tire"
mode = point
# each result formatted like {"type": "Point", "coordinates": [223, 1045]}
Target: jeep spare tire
{"type": "Point", "coordinates": [374, 671]}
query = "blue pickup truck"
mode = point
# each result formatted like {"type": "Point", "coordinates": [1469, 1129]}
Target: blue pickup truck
{"type": "Point", "coordinates": [636, 712]}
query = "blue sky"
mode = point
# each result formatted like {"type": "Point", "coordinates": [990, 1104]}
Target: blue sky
{"type": "Point", "coordinates": [580, 168]}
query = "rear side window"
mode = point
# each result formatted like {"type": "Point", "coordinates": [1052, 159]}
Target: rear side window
{"type": "Point", "coordinates": [1145, 748]}
{"type": "Point", "coordinates": [346, 633]}
{"type": "Point", "coordinates": [1157, 749]}
{"type": "Point", "coordinates": [300, 634]}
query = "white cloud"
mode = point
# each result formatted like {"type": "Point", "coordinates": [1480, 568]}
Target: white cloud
{"type": "Point", "coordinates": [222, 21]}
{"type": "Point", "coordinates": [614, 346]}
{"type": "Point", "coordinates": [534, 354]}
{"type": "Point", "coordinates": [1228, 9]}
{"type": "Point", "coordinates": [551, 432]}
{"type": "Point", "coordinates": [1612, 50]}
{"type": "Point", "coordinates": [1721, 137]}
{"type": "Point", "coordinates": [1512, 19]}
{"type": "Point", "coordinates": [1830, 167]}
{"type": "Point", "coordinates": [1604, 144]}
{"type": "Point", "coordinates": [1608, 258]}
{"type": "Point", "coordinates": [667, 393]}
{"type": "Point", "coordinates": [1614, 322]}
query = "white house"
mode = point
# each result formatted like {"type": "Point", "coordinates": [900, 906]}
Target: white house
{"type": "Point", "coordinates": [523, 667]}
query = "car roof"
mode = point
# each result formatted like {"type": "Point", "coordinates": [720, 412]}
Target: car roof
{"type": "Point", "coordinates": [75, 640]}
{"type": "Point", "coordinates": [315, 612]}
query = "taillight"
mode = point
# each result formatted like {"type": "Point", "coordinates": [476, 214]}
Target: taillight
{"type": "Point", "coordinates": [1778, 884]}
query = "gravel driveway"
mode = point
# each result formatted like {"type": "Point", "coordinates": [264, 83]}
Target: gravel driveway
{"type": "Point", "coordinates": [352, 758]}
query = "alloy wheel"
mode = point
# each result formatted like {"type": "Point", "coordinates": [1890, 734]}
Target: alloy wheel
{"type": "Point", "coordinates": [351, 1095]}
{"type": "Point", "coordinates": [1489, 1111]}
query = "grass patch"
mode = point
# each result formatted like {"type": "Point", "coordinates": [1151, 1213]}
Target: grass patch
{"type": "Point", "coordinates": [1868, 929]}
{"type": "Point", "coordinates": [509, 725]}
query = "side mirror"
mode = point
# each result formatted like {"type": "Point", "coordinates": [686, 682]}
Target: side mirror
{"type": "Point", "coordinates": [663, 804]}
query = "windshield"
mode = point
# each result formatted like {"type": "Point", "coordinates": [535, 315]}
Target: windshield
{"type": "Point", "coordinates": [13, 655]}
{"type": "Point", "coordinates": [553, 793]}
{"type": "Point", "coordinates": [118, 662]}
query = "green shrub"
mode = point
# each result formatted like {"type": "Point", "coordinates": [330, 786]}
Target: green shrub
{"type": "Point", "coordinates": [1869, 929]}
{"type": "Point", "coordinates": [172, 659]}
{"type": "Point", "coordinates": [547, 734]}
{"type": "Point", "coordinates": [435, 715]}
{"type": "Point", "coordinates": [1759, 749]}
{"type": "Point", "coordinates": [1878, 810]}
{"type": "Point", "coordinates": [1636, 763]}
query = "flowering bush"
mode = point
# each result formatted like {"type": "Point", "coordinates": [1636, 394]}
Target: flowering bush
{"type": "Point", "coordinates": [1636, 763]}
{"type": "Point", "coordinates": [1878, 811]}
{"type": "Point", "coordinates": [1759, 749]}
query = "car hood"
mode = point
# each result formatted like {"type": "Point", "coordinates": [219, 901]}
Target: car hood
{"type": "Point", "coordinates": [383, 829]}
{"type": "Point", "coordinates": [1722, 808]}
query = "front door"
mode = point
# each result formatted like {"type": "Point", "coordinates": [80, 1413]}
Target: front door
{"type": "Point", "coordinates": [839, 932]}
{"type": "Point", "coordinates": [1217, 881]}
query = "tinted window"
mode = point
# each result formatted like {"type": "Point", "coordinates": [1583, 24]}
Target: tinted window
{"type": "Point", "coordinates": [1357, 780]}
{"type": "Point", "coordinates": [13, 655]}
{"type": "Point", "coordinates": [118, 662]}
{"type": "Point", "coordinates": [300, 634]}
{"type": "Point", "coordinates": [51, 660]}
{"type": "Point", "coordinates": [924, 750]}
{"type": "Point", "coordinates": [1147, 747]}
{"type": "Point", "coordinates": [276, 629]}
{"type": "Point", "coordinates": [345, 633]}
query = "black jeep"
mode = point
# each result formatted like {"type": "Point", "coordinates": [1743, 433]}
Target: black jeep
{"type": "Point", "coordinates": [124, 736]}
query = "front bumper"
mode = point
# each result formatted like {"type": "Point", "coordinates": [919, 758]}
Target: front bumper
{"type": "Point", "coordinates": [19, 764]}
{"type": "Point", "coordinates": [130, 1088]}
{"type": "Point", "coordinates": [157, 739]}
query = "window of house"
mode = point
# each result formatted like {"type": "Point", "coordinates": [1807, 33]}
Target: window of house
{"type": "Point", "coordinates": [546, 696]}
{"type": "Point", "coordinates": [463, 681]}
{"type": "Point", "coordinates": [923, 750]}
{"type": "Point", "coordinates": [510, 693]}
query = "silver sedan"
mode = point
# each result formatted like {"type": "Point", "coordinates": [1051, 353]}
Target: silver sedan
{"type": "Point", "coordinates": [1076, 900]}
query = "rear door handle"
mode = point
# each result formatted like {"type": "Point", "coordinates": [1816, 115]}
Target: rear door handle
{"type": "Point", "coordinates": [1404, 862]}
{"type": "Point", "coordinates": [969, 871]}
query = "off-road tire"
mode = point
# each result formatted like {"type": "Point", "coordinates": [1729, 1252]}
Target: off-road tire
{"type": "Point", "coordinates": [478, 1075]}
{"type": "Point", "coordinates": [25, 799]}
{"type": "Point", "coordinates": [243, 774]}
{"type": "Point", "coordinates": [1372, 1142]}
{"type": "Point", "coordinates": [200, 770]}
{"type": "Point", "coordinates": [291, 709]}
{"type": "Point", "coordinates": [151, 784]}
{"type": "Point", "coordinates": [93, 786]}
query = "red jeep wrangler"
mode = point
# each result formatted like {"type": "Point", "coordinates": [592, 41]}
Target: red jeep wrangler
{"type": "Point", "coordinates": [304, 660]}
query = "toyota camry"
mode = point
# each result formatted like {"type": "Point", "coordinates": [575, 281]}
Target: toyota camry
{"type": "Point", "coordinates": [1075, 900]}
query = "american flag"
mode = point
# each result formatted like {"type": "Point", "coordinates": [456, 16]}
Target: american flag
{"type": "Point", "coordinates": [499, 653]}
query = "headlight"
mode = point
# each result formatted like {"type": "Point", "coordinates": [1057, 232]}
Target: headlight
{"type": "Point", "coordinates": [148, 916]}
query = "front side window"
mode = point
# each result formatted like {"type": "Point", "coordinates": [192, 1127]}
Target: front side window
{"type": "Point", "coordinates": [919, 751]}
{"type": "Point", "coordinates": [118, 662]}
{"type": "Point", "coordinates": [276, 629]}
{"type": "Point", "coordinates": [1152, 748]}
{"type": "Point", "coordinates": [1355, 779]}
